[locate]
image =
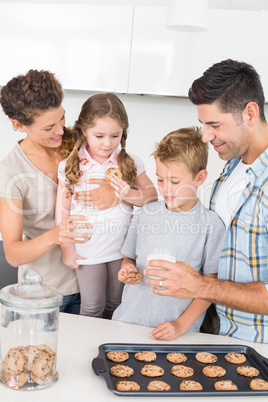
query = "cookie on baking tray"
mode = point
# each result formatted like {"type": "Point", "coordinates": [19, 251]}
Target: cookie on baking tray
{"type": "Point", "coordinates": [121, 370]}
{"type": "Point", "coordinates": [258, 385]}
{"type": "Point", "coordinates": [205, 357]}
{"type": "Point", "coordinates": [248, 371]}
{"type": "Point", "coordinates": [176, 357]}
{"type": "Point", "coordinates": [111, 172]}
{"type": "Point", "coordinates": [214, 371]}
{"type": "Point", "coordinates": [225, 385]}
{"type": "Point", "coordinates": [151, 370]}
{"type": "Point", "coordinates": [145, 356]}
{"type": "Point", "coordinates": [158, 386]}
{"type": "Point", "coordinates": [133, 274]}
{"type": "Point", "coordinates": [182, 371]}
{"type": "Point", "coordinates": [117, 356]}
{"type": "Point", "coordinates": [127, 386]}
{"type": "Point", "coordinates": [190, 385]}
{"type": "Point", "coordinates": [235, 358]}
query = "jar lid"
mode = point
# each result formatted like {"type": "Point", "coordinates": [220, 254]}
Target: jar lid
{"type": "Point", "coordinates": [31, 293]}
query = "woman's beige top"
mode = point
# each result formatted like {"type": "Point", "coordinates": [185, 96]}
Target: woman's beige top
{"type": "Point", "coordinates": [21, 180]}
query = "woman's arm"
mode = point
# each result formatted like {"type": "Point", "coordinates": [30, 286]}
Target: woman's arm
{"type": "Point", "coordinates": [143, 192]}
{"type": "Point", "coordinates": [19, 251]}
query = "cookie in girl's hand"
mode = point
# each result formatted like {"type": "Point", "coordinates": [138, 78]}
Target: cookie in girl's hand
{"type": "Point", "coordinates": [112, 172]}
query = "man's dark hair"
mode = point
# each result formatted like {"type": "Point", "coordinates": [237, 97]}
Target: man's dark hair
{"type": "Point", "coordinates": [232, 84]}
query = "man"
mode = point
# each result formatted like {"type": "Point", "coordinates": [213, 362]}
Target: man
{"type": "Point", "coordinates": [230, 105]}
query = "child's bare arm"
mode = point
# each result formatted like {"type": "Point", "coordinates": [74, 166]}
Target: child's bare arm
{"type": "Point", "coordinates": [172, 329]}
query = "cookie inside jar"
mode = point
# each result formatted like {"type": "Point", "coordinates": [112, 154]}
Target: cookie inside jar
{"type": "Point", "coordinates": [29, 334]}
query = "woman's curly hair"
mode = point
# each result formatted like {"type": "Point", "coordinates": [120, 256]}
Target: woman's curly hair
{"type": "Point", "coordinates": [27, 96]}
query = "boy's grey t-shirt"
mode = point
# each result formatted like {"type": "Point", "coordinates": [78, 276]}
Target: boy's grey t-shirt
{"type": "Point", "coordinates": [195, 237]}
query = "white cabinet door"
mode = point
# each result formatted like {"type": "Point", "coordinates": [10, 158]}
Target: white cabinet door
{"type": "Point", "coordinates": [165, 62]}
{"type": "Point", "coordinates": [87, 47]}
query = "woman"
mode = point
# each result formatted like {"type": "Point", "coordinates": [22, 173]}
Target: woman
{"type": "Point", "coordinates": [29, 183]}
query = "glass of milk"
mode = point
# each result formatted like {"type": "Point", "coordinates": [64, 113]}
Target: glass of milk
{"type": "Point", "coordinates": [83, 207]}
{"type": "Point", "coordinates": [160, 254]}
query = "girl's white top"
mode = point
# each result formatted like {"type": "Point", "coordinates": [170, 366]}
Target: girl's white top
{"type": "Point", "coordinates": [112, 224]}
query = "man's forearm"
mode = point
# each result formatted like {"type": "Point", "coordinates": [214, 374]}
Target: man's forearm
{"type": "Point", "coordinates": [249, 297]}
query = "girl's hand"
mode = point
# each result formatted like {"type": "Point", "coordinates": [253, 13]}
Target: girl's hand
{"type": "Point", "coordinates": [167, 331]}
{"type": "Point", "coordinates": [121, 188]}
{"type": "Point", "coordinates": [103, 196]}
{"type": "Point", "coordinates": [122, 274]}
{"type": "Point", "coordinates": [69, 257]}
{"type": "Point", "coordinates": [64, 232]}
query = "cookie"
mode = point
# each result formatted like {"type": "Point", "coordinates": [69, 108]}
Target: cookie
{"type": "Point", "coordinates": [158, 386]}
{"type": "Point", "coordinates": [259, 385]}
{"type": "Point", "coordinates": [248, 371]}
{"type": "Point", "coordinates": [121, 370]}
{"type": "Point", "coordinates": [13, 362]}
{"type": "Point", "coordinates": [44, 348]}
{"type": "Point", "coordinates": [151, 370]}
{"type": "Point", "coordinates": [190, 385]}
{"type": "Point", "coordinates": [16, 381]}
{"type": "Point", "coordinates": [182, 371]}
{"type": "Point", "coordinates": [117, 356]}
{"type": "Point", "coordinates": [133, 274]}
{"type": "Point", "coordinates": [225, 385]}
{"type": "Point", "coordinates": [205, 357]}
{"type": "Point", "coordinates": [111, 172]}
{"type": "Point", "coordinates": [235, 358]}
{"type": "Point", "coordinates": [127, 386]}
{"type": "Point", "coordinates": [43, 380]}
{"type": "Point", "coordinates": [43, 363]}
{"type": "Point", "coordinates": [176, 357]}
{"type": "Point", "coordinates": [145, 356]}
{"type": "Point", "coordinates": [214, 371]}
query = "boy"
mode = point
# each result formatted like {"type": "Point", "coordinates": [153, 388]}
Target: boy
{"type": "Point", "coordinates": [180, 223]}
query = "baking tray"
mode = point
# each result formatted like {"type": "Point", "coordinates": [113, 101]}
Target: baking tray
{"type": "Point", "coordinates": [101, 366]}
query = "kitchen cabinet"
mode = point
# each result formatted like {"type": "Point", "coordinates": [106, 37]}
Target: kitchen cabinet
{"type": "Point", "coordinates": [165, 62]}
{"type": "Point", "coordinates": [124, 49]}
{"type": "Point", "coordinates": [86, 46]}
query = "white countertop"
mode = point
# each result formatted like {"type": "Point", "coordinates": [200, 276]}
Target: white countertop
{"type": "Point", "coordinates": [79, 339]}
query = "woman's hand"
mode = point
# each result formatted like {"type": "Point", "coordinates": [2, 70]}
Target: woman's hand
{"type": "Point", "coordinates": [65, 231]}
{"type": "Point", "coordinates": [121, 188]}
{"type": "Point", "coordinates": [103, 196]}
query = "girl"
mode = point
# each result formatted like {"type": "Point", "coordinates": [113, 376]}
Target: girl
{"type": "Point", "coordinates": [100, 129]}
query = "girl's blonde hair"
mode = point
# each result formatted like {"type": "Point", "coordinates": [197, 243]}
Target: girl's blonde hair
{"type": "Point", "coordinates": [184, 146]}
{"type": "Point", "coordinates": [95, 107]}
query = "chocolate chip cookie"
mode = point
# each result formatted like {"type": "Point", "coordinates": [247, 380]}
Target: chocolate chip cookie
{"type": "Point", "coordinates": [182, 371]}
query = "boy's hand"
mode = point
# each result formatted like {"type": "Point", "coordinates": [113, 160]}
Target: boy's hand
{"type": "Point", "coordinates": [167, 331]}
{"type": "Point", "coordinates": [129, 275]}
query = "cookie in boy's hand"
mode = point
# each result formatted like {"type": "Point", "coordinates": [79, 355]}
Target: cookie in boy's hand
{"type": "Point", "coordinates": [133, 274]}
{"type": "Point", "coordinates": [112, 172]}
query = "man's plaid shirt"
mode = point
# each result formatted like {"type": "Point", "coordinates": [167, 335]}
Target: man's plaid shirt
{"type": "Point", "coordinates": [244, 254]}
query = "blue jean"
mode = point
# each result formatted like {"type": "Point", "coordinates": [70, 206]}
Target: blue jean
{"type": "Point", "coordinates": [71, 304]}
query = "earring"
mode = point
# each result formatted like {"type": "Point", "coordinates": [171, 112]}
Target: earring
{"type": "Point", "coordinates": [14, 128]}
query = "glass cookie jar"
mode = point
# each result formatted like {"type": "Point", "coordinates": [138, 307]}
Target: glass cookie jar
{"type": "Point", "coordinates": [29, 333]}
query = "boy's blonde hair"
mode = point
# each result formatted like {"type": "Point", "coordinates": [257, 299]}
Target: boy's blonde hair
{"type": "Point", "coordinates": [184, 146]}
